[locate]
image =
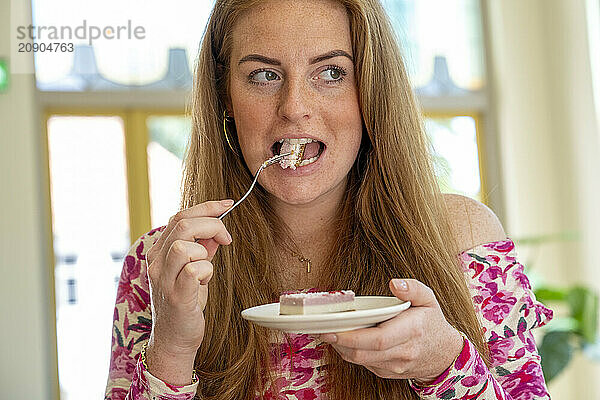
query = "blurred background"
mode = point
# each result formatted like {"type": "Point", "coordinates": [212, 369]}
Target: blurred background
{"type": "Point", "coordinates": [92, 141]}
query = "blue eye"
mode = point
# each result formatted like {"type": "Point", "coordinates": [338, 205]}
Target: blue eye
{"type": "Point", "coordinates": [332, 74]}
{"type": "Point", "coordinates": [262, 76]}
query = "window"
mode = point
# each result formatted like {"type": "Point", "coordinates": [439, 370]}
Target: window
{"type": "Point", "coordinates": [133, 45]}
{"type": "Point", "coordinates": [166, 147]}
{"type": "Point", "coordinates": [120, 172]}
{"type": "Point", "coordinates": [443, 48]}
{"type": "Point", "coordinates": [90, 223]}
{"type": "Point", "coordinates": [442, 44]}
{"type": "Point", "coordinates": [456, 155]}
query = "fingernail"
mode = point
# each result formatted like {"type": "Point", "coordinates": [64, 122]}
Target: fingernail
{"type": "Point", "coordinates": [229, 236]}
{"type": "Point", "coordinates": [329, 337]}
{"type": "Point", "coordinates": [400, 284]}
{"type": "Point", "coordinates": [227, 203]}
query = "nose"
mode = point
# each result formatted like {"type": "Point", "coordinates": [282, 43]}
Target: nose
{"type": "Point", "coordinates": [294, 102]}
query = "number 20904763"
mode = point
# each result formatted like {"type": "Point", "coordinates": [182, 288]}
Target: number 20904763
{"type": "Point", "coordinates": [45, 47]}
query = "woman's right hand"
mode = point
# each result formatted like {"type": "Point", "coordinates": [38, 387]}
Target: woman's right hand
{"type": "Point", "coordinates": [179, 269]}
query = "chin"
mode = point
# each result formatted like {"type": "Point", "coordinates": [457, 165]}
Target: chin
{"type": "Point", "coordinates": [308, 192]}
{"type": "Point", "coordinates": [298, 196]}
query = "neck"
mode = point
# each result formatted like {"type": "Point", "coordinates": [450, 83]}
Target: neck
{"type": "Point", "coordinates": [311, 224]}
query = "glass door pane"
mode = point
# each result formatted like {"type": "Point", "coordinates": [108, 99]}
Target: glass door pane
{"type": "Point", "coordinates": [115, 45]}
{"type": "Point", "coordinates": [456, 154]}
{"type": "Point", "coordinates": [168, 136]}
{"type": "Point", "coordinates": [439, 37]}
{"type": "Point", "coordinates": [90, 223]}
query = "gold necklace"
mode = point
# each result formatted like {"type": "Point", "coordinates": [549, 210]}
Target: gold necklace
{"type": "Point", "coordinates": [302, 260]}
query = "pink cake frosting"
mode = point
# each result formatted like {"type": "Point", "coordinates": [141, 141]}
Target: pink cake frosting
{"type": "Point", "coordinates": [309, 299]}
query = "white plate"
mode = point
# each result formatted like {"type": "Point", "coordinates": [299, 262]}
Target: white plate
{"type": "Point", "coordinates": [370, 310]}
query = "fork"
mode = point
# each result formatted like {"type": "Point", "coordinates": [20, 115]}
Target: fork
{"type": "Point", "coordinates": [264, 165]}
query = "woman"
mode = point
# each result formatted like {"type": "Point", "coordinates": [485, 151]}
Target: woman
{"type": "Point", "coordinates": [367, 213]}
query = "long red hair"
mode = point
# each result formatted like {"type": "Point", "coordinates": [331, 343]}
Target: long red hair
{"type": "Point", "coordinates": [392, 221]}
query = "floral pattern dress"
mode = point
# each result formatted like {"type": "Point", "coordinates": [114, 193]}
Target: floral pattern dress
{"type": "Point", "coordinates": [505, 304]}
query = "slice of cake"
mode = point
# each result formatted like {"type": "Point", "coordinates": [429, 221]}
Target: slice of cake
{"type": "Point", "coordinates": [316, 302]}
{"type": "Point", "coordinates": [293, 160]}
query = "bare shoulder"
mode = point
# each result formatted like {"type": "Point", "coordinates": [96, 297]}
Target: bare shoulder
{"type": "Point", "coordinates": [473, 222]}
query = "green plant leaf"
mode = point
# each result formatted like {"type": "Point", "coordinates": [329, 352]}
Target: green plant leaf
{"type": "Point", "coordinates": [584, 308]}
{"type": "Point", "coordinates": [556, 352]}
{"type": "Point", "coordinates": [545, 294]}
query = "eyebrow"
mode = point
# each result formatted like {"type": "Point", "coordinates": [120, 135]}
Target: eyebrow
{"type": "Point", "coordinates": [314, 60]}
{"type": "Point", "coordinates": [331, 54]}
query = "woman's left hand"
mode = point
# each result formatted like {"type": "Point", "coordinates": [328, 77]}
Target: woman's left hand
{"type": "Point", "coordinates": [418, 343]}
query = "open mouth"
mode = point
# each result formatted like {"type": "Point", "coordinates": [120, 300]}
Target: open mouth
{"type": "Point", "coordinates": [304, 151]}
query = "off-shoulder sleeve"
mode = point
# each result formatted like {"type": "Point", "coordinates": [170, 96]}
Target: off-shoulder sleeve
{"type": "Point", "coordinates": [132, 323]}
{"type": "Point", "coordinates": [507, 310]}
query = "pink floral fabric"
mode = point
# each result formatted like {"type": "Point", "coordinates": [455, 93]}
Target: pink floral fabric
{"type": "Point", "coordinates": [505, 305]}
{"type": "Point", "coordinates": [507, 311]}
{"type": "Point", "coordinates": [127, 377]}
{"type": "Point", "coordinates": [300, 370]}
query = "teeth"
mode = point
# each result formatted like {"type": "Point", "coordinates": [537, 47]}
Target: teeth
{"type": "Point", "coordinates": [297, 141]}
{"type": "Point", "coordinates": [309, 161]}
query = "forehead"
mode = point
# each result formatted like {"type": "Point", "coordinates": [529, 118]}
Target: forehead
{"type": "Point", "coordinates": [292, 27]}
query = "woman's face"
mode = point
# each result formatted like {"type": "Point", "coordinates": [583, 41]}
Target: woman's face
{"type": "Point", "coordinates": [292, 77]}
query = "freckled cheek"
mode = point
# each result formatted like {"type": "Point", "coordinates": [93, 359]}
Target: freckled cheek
{"type": "Point", "coordinates": [249, 130]}
{"type": "Point", "coordinates": [248, 122]}
{"type": "Point", "coordinates": [345, 119]}
{"type": "Point", "coordinates": [252, 116]}
{"type": "Point", "coordinates": [253, 112]}
{"type": "Point", "coordinates": [249, 135]}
